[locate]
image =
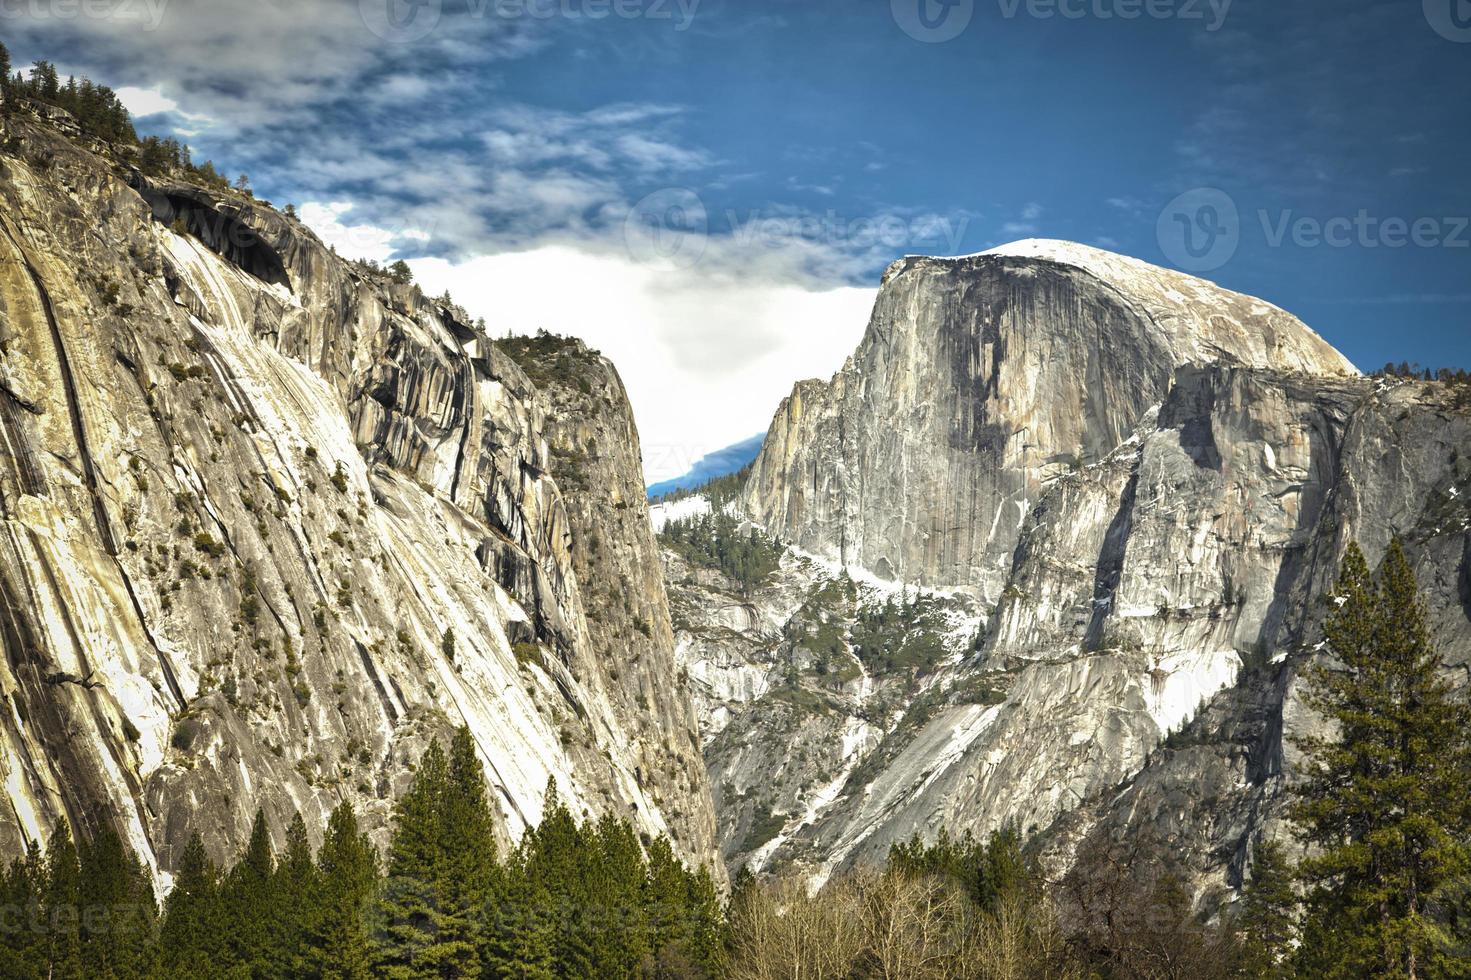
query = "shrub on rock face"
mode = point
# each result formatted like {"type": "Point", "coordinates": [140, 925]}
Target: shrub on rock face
{"type": "Point", "coordinates": [183, 737]}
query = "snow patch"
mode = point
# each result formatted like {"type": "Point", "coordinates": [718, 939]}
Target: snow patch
{"type": "Point", "coordinates": [661, 514]}
{"type": "Point", "coordinates": [1181, 682]}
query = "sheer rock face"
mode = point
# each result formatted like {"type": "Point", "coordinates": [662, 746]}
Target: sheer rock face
{"type": "Point", "coordinates": [1150, 483]}
{"type": "Point", "coordinates": [979, 379]}
{"type": "Point", "coordinates": [596, 459]}
{"type": "Point", "coordinates": [269, 523]}
{"type": "Point", "coordinates": [1395, 460]}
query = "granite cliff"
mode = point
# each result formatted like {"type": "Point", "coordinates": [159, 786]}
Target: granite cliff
{"type": "Point", "coordinates": [1111, 498]}
{"type": "Point", "coordinates": [270, 521]}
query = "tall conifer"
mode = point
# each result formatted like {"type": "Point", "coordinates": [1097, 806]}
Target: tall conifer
{"type": "Point", "coordinates": [294, 892]}
{"type": "Point", "coordinates": [347, 875]}
{"type": "Point", "coordinates": [467, 830]}
{"type": "Point", "coordinates": [1268, 923]}
{"type": "Point", "coordinates": [521, 930]}
{"type": "Point", "coordinates": [191, 941]}
{"type": "Point", "coordinates": [1387, 797]}
{"type": "Point", "coordinates": [557, 852]}
{"type": "Point", "coordinates": [247, 902]}
{"type": "Point", "coordinates": [615, 913]}
{"type": "Point", "coordinates": [120, 919]}
{"type": "Point", "coordinates": [410, 917]}
{"type": "Point", "coordinates": [63, 907]}
{"type": "Point", "coordinates": [23, 946]}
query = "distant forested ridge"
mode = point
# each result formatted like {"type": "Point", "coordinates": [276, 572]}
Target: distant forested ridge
{"type": "Point", "coordinates": [723, 462]}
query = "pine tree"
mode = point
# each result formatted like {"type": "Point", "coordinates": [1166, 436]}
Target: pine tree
{"type": "Point", "coordinates": [1385, 800]}
{"type": "Point", "coordinates": [1268, 919]}
{"type": "Point", "coordinates": [119, 927]}
{"type": "Point", "coordinates": [667, 895]}
{"type": "Point", "coordinates": [347, 877]}
{"type": "Point", "coordinates": [709, 937]}
{"type": "Point", "coordinates": [294, 892]}
{"type": "Point", "coordinates": [520, 932]}
{"type": "Point", "coordinates": [1003, 871]}
{"type": "Point", "coordinates": [248, 904]}
{"type": "Point", "coordinates": [409, 913]}
{"type": "Point", "coordinates": [614, 911]}
{"type": "Point", "coordinates": [44, 83]}
{"type": "Point", "coordinates": [4, 68]}
{"type": "Point", "coordinates": [191, 940]}
{"type": "Point", "coordinates": [23, 947]}
{"type": "Point", "coordinates": [556, 858]}
{"type": "Point", "coordinates": [441, 868]}
{"type": "Point", "coordinates": [62, 906]}
{"type": "Point", "coordinates": [468, 858]}
{"type": "Point", "coordinates": [686, 921]}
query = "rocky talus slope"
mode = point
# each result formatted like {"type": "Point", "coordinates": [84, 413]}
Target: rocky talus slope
{"type": "Point", "coordinates": [270, 521]}
{"type": "Point", "coordinates": [1144, 485]}
{"type": "Point", "coordinates": [794, 707]}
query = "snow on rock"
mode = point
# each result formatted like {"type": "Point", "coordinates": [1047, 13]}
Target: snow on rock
{"type": "Point", "coordinates": [696, 505]}
{"type": "Point", "coordinates": [1179, 684]}
{"type": "Point", "coordinates": [1143, 481]}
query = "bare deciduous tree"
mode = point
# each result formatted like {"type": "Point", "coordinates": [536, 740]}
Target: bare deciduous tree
{"type": "Point", "coordinates": [780, 932]}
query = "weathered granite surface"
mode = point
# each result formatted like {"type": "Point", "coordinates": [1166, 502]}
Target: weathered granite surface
{"type": "Point", "coordinates": [980, 379]}
{"type": "Point", "coordinates": [270, 521]}
{"type": "Point", "coordinates": [1146, 483]}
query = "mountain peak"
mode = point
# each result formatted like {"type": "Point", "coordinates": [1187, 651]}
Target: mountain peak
{"type": "Point", "coordinates": [1202, 322]}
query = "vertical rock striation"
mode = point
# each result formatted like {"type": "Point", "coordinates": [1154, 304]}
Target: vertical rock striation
{"type": "Point", "coordinates": [1147, 483]}
{"type": "Point", "coordinates": [978, 380]}
{"type": "Point", "coordinates": [270, 521]}
{"type": "Point", "coordinates": [596, 458]}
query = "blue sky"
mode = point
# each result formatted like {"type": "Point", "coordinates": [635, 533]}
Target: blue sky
{"type": "Point", "coordinates": [793, 148]}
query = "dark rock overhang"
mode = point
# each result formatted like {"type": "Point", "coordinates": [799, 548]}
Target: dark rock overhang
{"type": "Point", "coordinates": [223, 233]}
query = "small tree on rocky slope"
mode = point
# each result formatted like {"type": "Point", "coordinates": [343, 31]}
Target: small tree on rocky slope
{"type": "Point", "coordinates": [1268, 923]}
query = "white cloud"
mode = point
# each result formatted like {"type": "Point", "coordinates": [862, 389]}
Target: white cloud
{"type": "Point", "coordinates": [146, 101]}
{"type": "Point", "coordinates": [355, 241]}
{"type": "Point", "coordinates": [706, 358]}
{"type": "Point", "coordinates": [622, 134]}
{"type": "Point", "coordinates": [269, 63]}
{"type": "Point", "coordinates": [1027, 224]}
{"type": "Point", "coordinates": [530, 200]}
